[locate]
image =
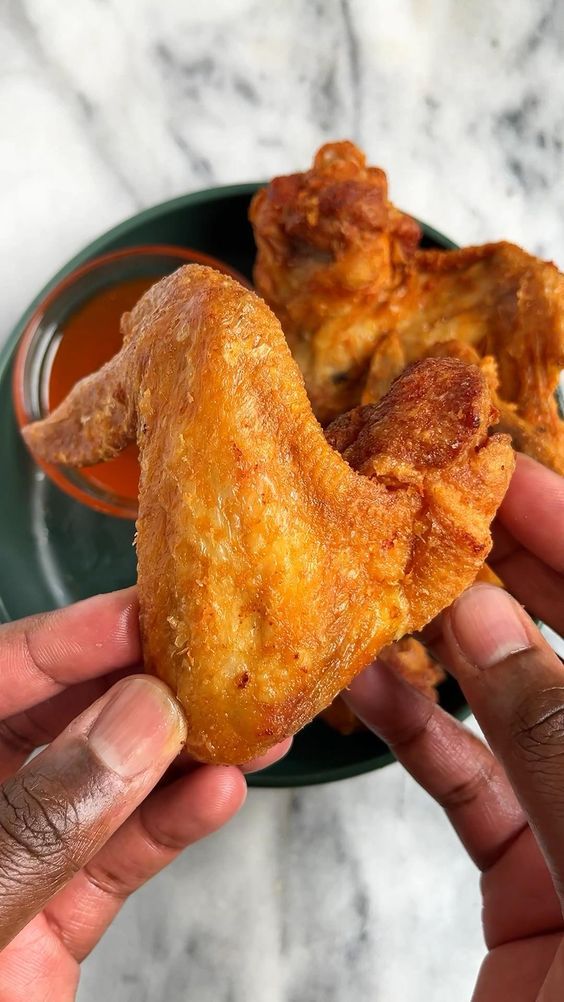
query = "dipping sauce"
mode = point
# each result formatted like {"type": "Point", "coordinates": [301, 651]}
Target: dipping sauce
{"type": "Point", "coordinates": [88, 339]}
{"type": "Point", "coordinates": [74, 331]}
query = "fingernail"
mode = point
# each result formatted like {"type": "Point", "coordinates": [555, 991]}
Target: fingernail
{"type": "Point", "coordinates": [139, 726]}
{"type": "Point", "coordinates": [486, 624]}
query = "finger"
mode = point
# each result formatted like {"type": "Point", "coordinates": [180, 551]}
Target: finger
{"type": "Point", "coordinates": [23, 733]}
{"type": "Point", "coordinates": [551, 990]}
{"type": "Point", "coordinates": [41, 655]}
{"type": "Point", "coordinates": [269, 758]}
{"type": "Point", "coordinates": [515, 686]}
{"type": "Point", "coordinates": [504, 545]}
{"type": "Point", "coordinates": [166, 823]}
{"type": "Point", "coordinates": [185, 764]}
{"type": "Point", "coordinates": [535, 585]}
{"type": "Point", "coordinates": [34, 966]}
{"type": "Point", "coordinates": [518, 895]}
{"type": "Point", "coordinates": [453, 765]}
{"type": "Point", "coordinates": [58, 811]}
{"type": "Point", "coordinates": [515, 972]}
{"type": "Point", "coordinates": [533, 511]}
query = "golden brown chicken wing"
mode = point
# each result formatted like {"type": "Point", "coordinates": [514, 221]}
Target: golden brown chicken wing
{"type": "Point", "coordinates": [411, 659]}
{"type": "Point", "coordinates": [341, 718]}
{"type": "Point", "coordinates": [500, 307]}
{"type": "Point", "coordinates": [272, 569]}
{"type": "Point", "coordinates": [331, 249]}
{"type": "Point", "coordinates": [358, 300]}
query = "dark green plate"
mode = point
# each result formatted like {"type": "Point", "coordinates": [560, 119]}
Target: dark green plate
{"type": "Point", "coordinates": [54, 550]}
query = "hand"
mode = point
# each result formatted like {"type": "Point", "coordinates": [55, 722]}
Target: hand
{"type": "Point", "coordinates": [80, 828]}
{"type": "Point", "coordinates": [515, 685]}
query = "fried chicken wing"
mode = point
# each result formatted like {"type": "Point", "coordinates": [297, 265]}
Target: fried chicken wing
{"type": "Point", "coordinates": [331, 249]}
{"type": "Point", "coordinates": [341, 718]}
{"type": "Point", "coordinates": [497, 306]}
{"type": "Point", "coordinates": [358, 300]}
{"type": "Point", "coordinates": [411, 659]}
{"type": "Point", "coordinates": [271, 568]}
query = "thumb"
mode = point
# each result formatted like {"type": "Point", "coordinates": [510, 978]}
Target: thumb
{"type": "Point", "coordinates": [57, 811]}
{"type": "Point", "coordinates": [514, 683]}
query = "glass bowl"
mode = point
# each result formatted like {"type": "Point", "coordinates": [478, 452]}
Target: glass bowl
{"type": "Point", "coordinates": [42, 336]}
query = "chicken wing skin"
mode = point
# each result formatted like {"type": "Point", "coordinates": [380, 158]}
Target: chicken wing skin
{"type": "Point", "coordinates": [358, 300]}
{"type": "Point", "coordinates": [500, 307]}
{"type": "Point", "coordinates": [331, 249]}
{"type": "Point", "coordinates": [272, 569]}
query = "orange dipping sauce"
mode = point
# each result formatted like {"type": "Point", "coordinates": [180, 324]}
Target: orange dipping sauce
{"type": "Point", "coordinates": [74, 331]}
{"type": "Point", "coordinates": [88, 339]}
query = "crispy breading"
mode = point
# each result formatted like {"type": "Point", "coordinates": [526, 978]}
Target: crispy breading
{"type": "Point", "coordinates": [411, 659]}
{"type": "Point", "coordinates": [341, 718]}
{"type": "Point", "coordinates": [358, 301]}
{"type": "Point", "coordinates": [502, 308]}
{"type": "Point", "coordinates": [331, 249]}
{"type": "Point", "coordinates": [272, 569]}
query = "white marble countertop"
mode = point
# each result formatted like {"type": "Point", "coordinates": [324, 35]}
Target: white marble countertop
{"type": "Point", "coordinates": [357, 890]}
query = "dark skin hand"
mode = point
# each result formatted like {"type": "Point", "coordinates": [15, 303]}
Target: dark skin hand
{"type": "Point", "coordinates": [508, 810]}
{"type": "Point", "coordinates": [84, 823]}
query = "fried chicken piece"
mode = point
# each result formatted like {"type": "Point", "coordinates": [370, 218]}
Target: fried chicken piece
{"type": "Point", "coordinates": [389, 360]}
{"type": "Point", "coordinates": [487, 576]}
{"type": "Point", "coordinates": [341, 718]}
{"type": "Point", "coordinates": [502, 308]}
{"type": "Point", "coordinates": [272, 569]}
{"type": "Point", "coordinates": [410, 659]}
{"type": "Point", "coordinates": [341, 268]}
{"type": "Point", "coordinates": [331, 250]}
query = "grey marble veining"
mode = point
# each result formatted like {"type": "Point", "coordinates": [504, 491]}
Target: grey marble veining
{"type": "Point", "coordinates": [359, 889]}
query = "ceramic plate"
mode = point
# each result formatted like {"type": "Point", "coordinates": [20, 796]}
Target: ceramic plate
{"type": "Point", "coordinates": [54, 550]}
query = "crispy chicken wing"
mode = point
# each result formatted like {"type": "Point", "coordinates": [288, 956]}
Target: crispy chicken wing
{"type": "Point", "coordinates": [411, 659]}
{"type": "Point", "coordinates": [272, 569]}
{"type": "Point", "coordinates": [501, 308]}
{"type": "Point", "coordinates": [341, 718]}
{"type": "Point", "coordinates": [358, 300]}
{"type": "Point", "coordinates": [331, 250]}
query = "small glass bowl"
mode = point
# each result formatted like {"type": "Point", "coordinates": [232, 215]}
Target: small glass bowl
{"type": "Point", "coordinates": [42, 335]}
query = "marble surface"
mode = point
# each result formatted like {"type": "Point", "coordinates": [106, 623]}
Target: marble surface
{"type": "Point", "coordinates": [359, 889]}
